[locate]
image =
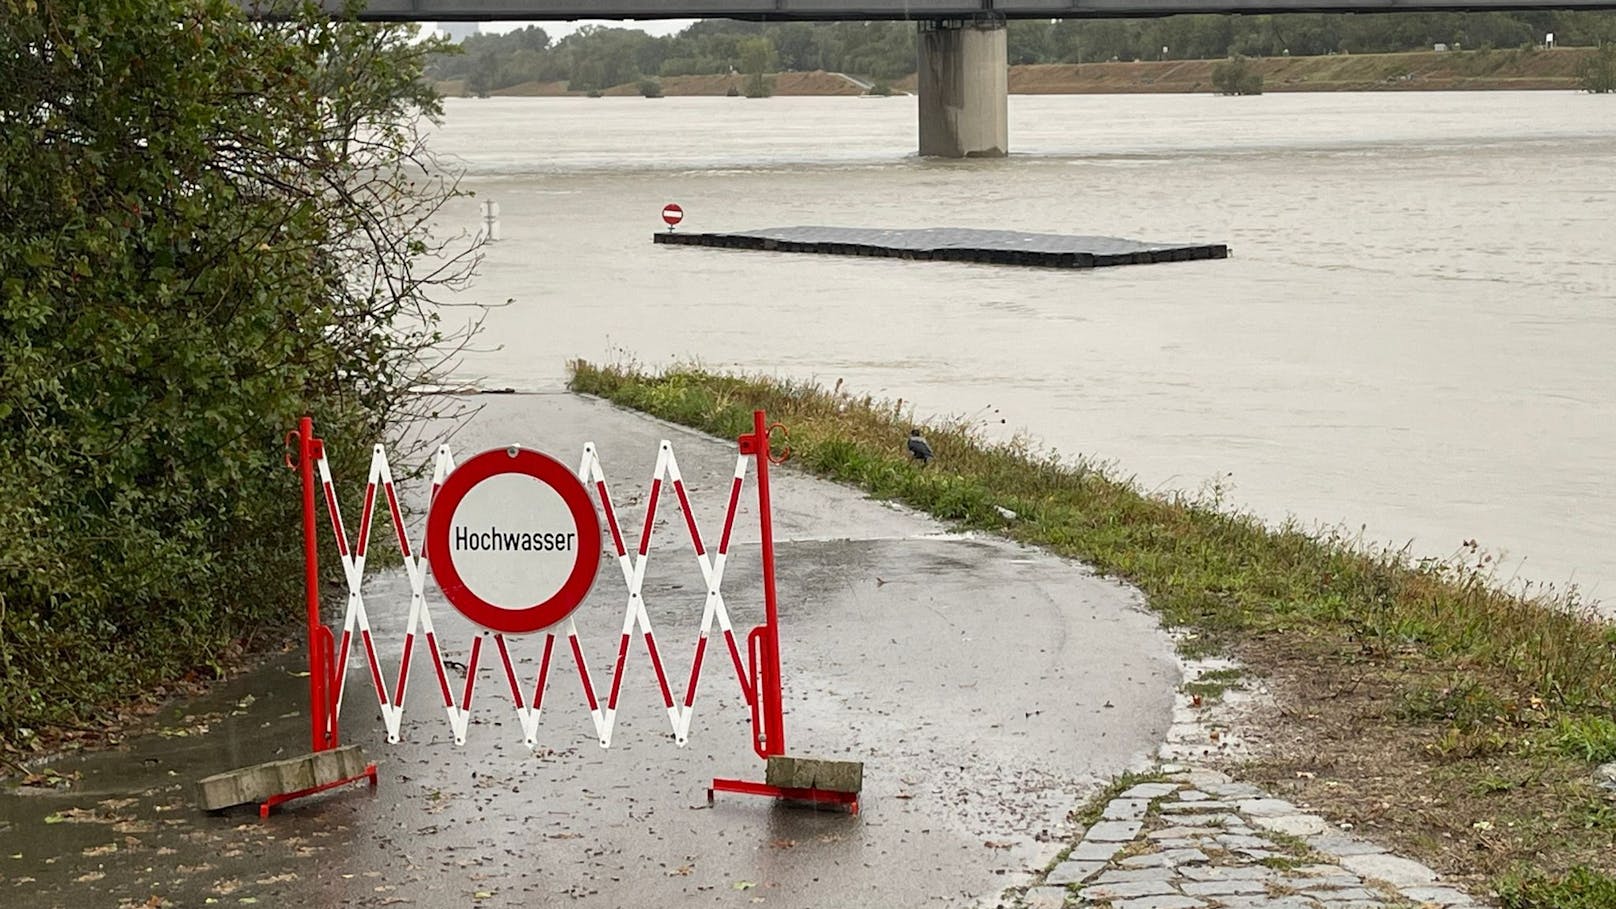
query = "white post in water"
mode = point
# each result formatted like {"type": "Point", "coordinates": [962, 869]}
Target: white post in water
{"type": "Point", "coordinates": [490, 220]}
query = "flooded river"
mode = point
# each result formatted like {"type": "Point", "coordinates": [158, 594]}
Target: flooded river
{"type": "Point", "coordinates": [1414, 334]}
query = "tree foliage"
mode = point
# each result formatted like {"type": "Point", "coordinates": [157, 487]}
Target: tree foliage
{"type": "Point", "coordinates": [757, 59]}
{"type": "Point", "coordinates": [1237, 76]}
{"type": "Point", "coordinates": [1599, 71]}
{"type": "Point", "coordinates": [597, 58]}
{"type": "Point", "coordinates": [212, 227]}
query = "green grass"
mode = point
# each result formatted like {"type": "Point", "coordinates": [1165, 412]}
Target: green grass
{"type": "Point", "coordinates": [1580, 888]}
{"type": "Point", "coordinates": [1093, 811]}
{"type": "Point", "coordinates": [1209, 692]}
{"type": "Point", "coordinates": [1213, 684]}
{"type": "Point", "coordinates": [1590, 738]}
{"type": "Point", "coordinates": [1519, 669]}
{"type": "Point", "coordinates": [1221, 572]}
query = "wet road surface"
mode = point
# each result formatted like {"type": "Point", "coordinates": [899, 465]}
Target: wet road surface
{"type": "Point", "coordinates": [987, 687]}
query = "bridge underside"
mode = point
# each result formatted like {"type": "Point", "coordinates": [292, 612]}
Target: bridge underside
{"type": "Point", "coordinates": [919, 10]}
{"type": "Point", "coordinates": [963, 77]}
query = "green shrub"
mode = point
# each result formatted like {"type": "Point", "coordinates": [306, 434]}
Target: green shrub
{"type": "Point", "coordinates": [1237, 76]}
{"type": "Point", "coordinates": [208, 233]}
{"type": "Point", "coordinates": [1597, 74]}
{"type": "Point", "coordinates": [650, 88]}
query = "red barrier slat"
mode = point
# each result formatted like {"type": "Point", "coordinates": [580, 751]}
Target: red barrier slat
{"type": "Point", "coordinates": [583, 674]}
{"type": "Point", "coordinates": [729, 515]}
{"type": "Point", "coordinates": [695, 671]}
{"type": "Point", "coordinates": [398, 520]}
{"type": "Point", "coordinates": [611, 518]}
{"type": "Point", "coordinates": [471, 672]}
{"type": "Point", "coordinates": [510, 671]}
{"type": "Point", "coordinates": [375, 668]}
{"type": "Point", "coordinates": [365, 515]}
{"type": "Point", "coordinates": [740, 668]}
{"type": "Point", "coordinates": [617, 673]}
{"type": "Point", "coordinates": [656, 663]}
{"type": "Point", "coordinates": [544, 672]}
{"type": "Point", "coordinates": [403, 671]}
{"type": "Point", "coordinates": [437, 664]}
{"type": "Point", "coordinates": [650, 515]}
{"type": "Point", "coordinates": [339, 669]}
{"type": "Point", "coordinates": [690, 517]}
{"type": "Point", "coordinates": [336, 518]}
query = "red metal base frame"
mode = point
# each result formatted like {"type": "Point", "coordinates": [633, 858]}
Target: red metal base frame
{"type": "Point", "coordinates": [281, 798]}
{"type": "Point", "coordinates": [747, 787]}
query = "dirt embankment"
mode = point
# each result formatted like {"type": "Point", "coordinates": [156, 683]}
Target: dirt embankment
{"type": "Point", "coordinates": [1419, 71]}
{"type": "Point", "coordinates": [811, 83]}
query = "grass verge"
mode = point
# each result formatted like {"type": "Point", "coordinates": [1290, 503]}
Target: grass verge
{"type": "Point", "coordinates": [1419, 701]}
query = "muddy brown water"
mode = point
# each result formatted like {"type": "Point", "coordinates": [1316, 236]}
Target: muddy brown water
{"type": "Point", "coordinates": [1413, 335]}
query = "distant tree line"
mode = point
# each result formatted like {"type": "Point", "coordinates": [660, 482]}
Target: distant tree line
{"type": "Point", "coordinates": [595, 58]}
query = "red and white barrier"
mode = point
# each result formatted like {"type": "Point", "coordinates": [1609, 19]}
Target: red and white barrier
{"type": "Point", "coordinates": [758, 675]}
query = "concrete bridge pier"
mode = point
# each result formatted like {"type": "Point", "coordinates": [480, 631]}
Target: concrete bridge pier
{"type": "Point", "coordinates": [964, 89]}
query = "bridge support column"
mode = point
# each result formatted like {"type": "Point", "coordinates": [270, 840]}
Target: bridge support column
{"type": "Point", "coordinates": [964, 89]}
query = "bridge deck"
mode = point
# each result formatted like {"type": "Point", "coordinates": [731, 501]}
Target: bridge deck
{"type": "Point", "coordinates": [811, 10]}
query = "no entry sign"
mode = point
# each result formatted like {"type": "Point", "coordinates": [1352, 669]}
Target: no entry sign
{"type": "Point", "coordinates": [513, 540]}
{"type": "Point", "coordinates": [672, 214]}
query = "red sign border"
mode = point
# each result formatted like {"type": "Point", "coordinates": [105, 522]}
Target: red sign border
{"type": "Point", "coordinates": [673, 207]}
{"type": "Point", "coordinates": [574, 493]}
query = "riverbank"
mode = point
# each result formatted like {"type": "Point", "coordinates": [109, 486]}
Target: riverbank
{"type": "Point", "coordinates": [1516, 69]}
{"type": "Point", "coordinates": [981, 730]}
{"type": "Point", "coordinates": [1416, 703]}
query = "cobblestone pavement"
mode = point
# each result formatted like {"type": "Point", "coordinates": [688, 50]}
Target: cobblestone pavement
{"type": "Point", "coordinates": [1195, 838]}
{"type": "Point", "coordinates": [1199, 840]}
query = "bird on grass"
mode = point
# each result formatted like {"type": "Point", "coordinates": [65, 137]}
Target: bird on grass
{"type": "Point", "coordinates": [919, 449]}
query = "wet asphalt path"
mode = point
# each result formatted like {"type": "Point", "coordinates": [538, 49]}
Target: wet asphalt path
{"type": "Point", "coordinates": [987, 687]}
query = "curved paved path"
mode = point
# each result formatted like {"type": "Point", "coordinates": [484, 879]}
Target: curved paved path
{"type": "Point", "coordinates": [988, 687]}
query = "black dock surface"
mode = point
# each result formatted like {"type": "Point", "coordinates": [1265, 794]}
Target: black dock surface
{"type": "Point", "coordinates": [947, 244]}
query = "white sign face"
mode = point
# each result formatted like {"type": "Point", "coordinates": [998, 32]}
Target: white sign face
{"type": "Point", "coordinates": [513, 540]}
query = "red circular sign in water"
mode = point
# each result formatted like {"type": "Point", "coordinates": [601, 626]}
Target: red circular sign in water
{"type": "Point", "coordinates": [672, 214]}
{"type": "Point", "coordinates": [513, 540]}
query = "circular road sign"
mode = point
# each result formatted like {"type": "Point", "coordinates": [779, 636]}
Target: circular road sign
{"type": "Point", "coordinates": [672, 214]}
{"type": "Point", "coordinates": [513, 539]}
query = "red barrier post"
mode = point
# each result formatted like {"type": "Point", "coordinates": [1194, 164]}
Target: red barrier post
{"type": "Point", "coordinates": [322, 684]}
{"type": "Point", "coordinates": [774, 719]}
{"type": "Point", "coordinates": [763, 646]}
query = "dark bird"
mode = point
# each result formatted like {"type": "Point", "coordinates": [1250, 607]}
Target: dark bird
{"type": "Point", "coordinates": [919, 448]}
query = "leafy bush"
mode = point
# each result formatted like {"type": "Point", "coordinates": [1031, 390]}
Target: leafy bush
{"type": "Point", "coordinates": [757, 58]}
{"type": "Point", "coordinates": [1237, 76]}
{"type": "Point", "coordinates": [650, 88]}
{"type": "Point", "coordinates": [211, 230]}
{"type": "Point", "coordinates": [1598, 73]}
